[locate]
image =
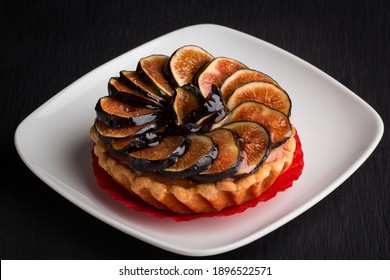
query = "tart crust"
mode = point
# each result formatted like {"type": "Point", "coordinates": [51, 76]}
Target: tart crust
{"type": "Point", "coordinates": [185, 196]}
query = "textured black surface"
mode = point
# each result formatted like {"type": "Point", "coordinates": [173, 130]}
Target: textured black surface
{"type": "Point", "coordinates": [46, 45]}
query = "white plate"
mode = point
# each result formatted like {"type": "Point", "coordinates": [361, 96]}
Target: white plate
{"type": "Point", "coordinates": [54, 143]}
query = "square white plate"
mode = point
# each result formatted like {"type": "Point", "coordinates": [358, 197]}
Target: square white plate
{"type": "Point", "coordinates": [54, 143]}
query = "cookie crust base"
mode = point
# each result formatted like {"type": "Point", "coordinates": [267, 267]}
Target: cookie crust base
{"type": "Point", "coordinates": [185, 196]}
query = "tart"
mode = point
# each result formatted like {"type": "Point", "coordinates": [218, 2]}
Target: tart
{"type": "Point", "coordinates": [193, 133]}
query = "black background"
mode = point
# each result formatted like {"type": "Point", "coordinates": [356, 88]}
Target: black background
{"type": "Point", "coordinates": [46, 45]}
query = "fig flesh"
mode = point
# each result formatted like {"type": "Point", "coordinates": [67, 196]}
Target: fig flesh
{"type": "Point", "coordinates": [277, 123]}
{"type": "Point", "coordinates": [242, 77]}
{"type": "Point", "coordinates": [255, 144]}
{"type": "Point", "coordinates": [262, 92]}
{"type": "Point", "coordinates": [215, 73]}
{"type": "Point", "coordinates": [185, 62]}
{"type": "Point", "coordinates": [151, 69]}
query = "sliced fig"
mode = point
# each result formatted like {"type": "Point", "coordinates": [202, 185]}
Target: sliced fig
{"type": "Point", "coordinates": [242, 77]}
{"type": "Point", "coordinates": [215, 104]}
{"type": "Point", "coordinates": [255, 144]}
{"type": "Point", "coordinates": [151, 68]}
{"type": "Point", "coordinates": [261, 92]}
{"type": "Point", "coordinates": [204, 124]}
{"type": "Point", "coordinates": [160, 156]}
{"type": "Point", "coordinates": [213, 110]}
{"type": "Point", "coordinates": [135, 97]}
{"type": "Point", "coordinates": [134, 81]}
{"type": "Point", "coordinates": [127, 145]}
{"type": "Point", "coordinates": [199, 155]}
{"type": "Point", "coordinates": [220, 123]}
{"type": "Point", "coordinates": [150, 138]}
{"type": "Point", "coordinates": [228, 159]}
{"type": "Point", "coordinates": [185, 62]}
{"type": "Point", "coordinates": [108, 134]}
{"type": "Point", "coordinates": [277, 123]}
{"type": "Point", "coordinates": [215, 72]}
{"type": "Point", "coordinates": [186, 100]}
{"type": "Point", "coordinates": [116, 114]}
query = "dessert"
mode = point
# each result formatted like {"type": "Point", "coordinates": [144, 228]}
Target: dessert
{"type": "Point", "coordinates": [193, 133]}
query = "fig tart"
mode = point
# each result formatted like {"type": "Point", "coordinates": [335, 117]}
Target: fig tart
{"type": "Point", "coordinates": [193, 133]}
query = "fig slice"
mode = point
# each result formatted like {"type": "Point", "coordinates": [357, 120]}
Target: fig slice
{"type": "Point", "coordinates": [277, 123]}
{"type": "Point", "coordinates": [242, 77]}
{"type": "Point", "coordinates": [215, 73]}
{"type": "Point", "coordinates": [116, 114]}
{"type": "Point", "coordinates": [185, 62]}
{"type": "Point", "coordinates": [186, 100]}
{"type": "Point", "coordinates": [123, 93]}
{"type": "Point", "coordinates": [261, 92]}
{"type": "Point", "coordinates": [134, 81]}
{"type": "Point", "coordinates": [151, 68]}
{"type": "Point", "coordinates": [108, 134]}
{"type": "Point", "coordinates": [199, 155]}
{"type": "Point", "coordinates": [134, 143]}
{"type": "Point", "coordinates": [228, 159]}
{"type": "Point", "coordinates": [202, 125]}
{"type": "Point", "coordinates": [213, 110]}
{"type": "Point", "coordinates": [160, 156]}
{"type": "Point", "coordinates": [215, 104]}
{"type": "Point", "coordinates": [255, 144]}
